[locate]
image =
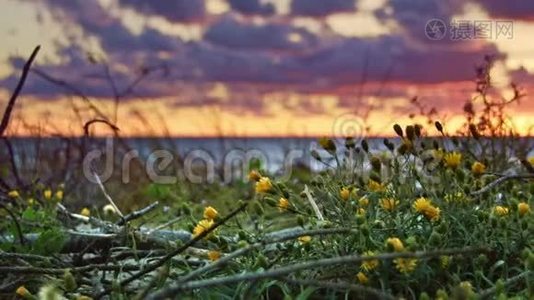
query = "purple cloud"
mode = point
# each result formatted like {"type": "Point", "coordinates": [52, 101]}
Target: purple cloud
{"type": "Point", "coordinates": [240, 53]}
{"type": "Point", "coordinates": [318, 8]}
{"type": "Point", "coordinates": [230, 32]}
{"type": "Point", "coordinates": [174, 11]}
{"type": "Point", "coordinates": [413, 16]}
{"type": "Point", "coordinates": [511, 9]}
{"type": "Point", "coordinates": [253, 7]}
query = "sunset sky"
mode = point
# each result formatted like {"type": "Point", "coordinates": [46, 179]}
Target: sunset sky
{"type": "Point", "coordinates": [255, 67]}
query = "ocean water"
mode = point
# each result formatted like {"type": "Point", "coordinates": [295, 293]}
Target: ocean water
{"type": "Point", "coordinates": [276, 154]}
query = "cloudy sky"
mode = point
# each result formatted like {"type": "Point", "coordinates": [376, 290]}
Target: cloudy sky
{"type": "Point", "coordinates": [257, 67]}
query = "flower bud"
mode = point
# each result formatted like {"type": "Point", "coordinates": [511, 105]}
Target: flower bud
{"type": "Point", "coordinates": [350, 143]}
{"type": "Point", "coordinates": [418, 130]}
{"type": "Point", "coordinates": [376, 164]}
{"type": "Point", "coordinates": [398, 130]}
{"type": "Point", "coordinates": [439, 127]}
{"type": "Point", "coordinates": [435, 238]}
{"type": "Point", "coordinates": [424, 296]}
{"type": "Point", "coordinates": [69, 281]}
{"type": "Point", "coordinates": [365, 146]}
{"type": "Point", "coordinates": [410, 132]}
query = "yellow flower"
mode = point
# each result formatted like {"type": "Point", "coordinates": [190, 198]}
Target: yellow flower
{"type": "Point", "coordinates": [523, 208]}
{"type": "Point", "coordinates": [22, 291]}
{"type": "Point", "coordinates": [432, 213]}
{"type": "Point", "coordinates": [85, 212]}
{"type": "Point", "coordinates": [361, 211]}
{"type": "Point", "coordinates": [362, 278]}
{"type": "Point", "coordinates": [47, 194]}
{"type": "Point", "coordinates": [421, 204]}
{"type": "Point", "coordinates": [283, 204]}
{"type": "Point", "coordinates": [202, 226]}
{"type": "Point", "coordinates": [452, 159]}
{"type": "Point", "coordinates": [500, 210]}
{"type": "Point", "coordinates": [263, 185]}
{"type": "Point", "coordinates": [304, 239]}
{"type": "Point", "coordinates": [375, 186]}
{"type": "Point", "coordinates": [31, 201]}
{"type": "Point", "coordinates": [389, 204]}
{"type": "Point", "coordinates": [405, 265]}
{"type": "Point", "coordinates": [210, 213]}
{"type": "Point", "coordinates": [214, 255]}
{"type": "Point", "coordinates": [425, 207]}
{"type": "Point", "coordinates": [531, 160]}
{"type": "Point", "coordinates": [368, 265]}
{"type": "Point", "coordinates": [59, 195]}
{"type": "Point", "coordinates": [478, 168]}
{"type": "Point", "coordinates": [344, 193]}
{"type": "Point", "coordinates": [363, 201]}
{"type": "Point", "coordinates": [395, 243]}
{"type": "Point", "coordinates": [254, 175]}
{"type": "Point", "coordinates": [13, 194]}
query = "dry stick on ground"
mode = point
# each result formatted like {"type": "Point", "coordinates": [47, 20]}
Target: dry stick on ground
{"type": "Point", "coordinates": [18, 89]}
{"type": "Point", "coordinates": [25, 256]}
{"type": "Point", "coordinates": [137, 214]}
{"type": "Point", "coordinates": [271, 240]}
{"type": "Point", "coordinates": [167, 224]}
{"type": "Point", "coordinates": [489, 292]}
{"type": "Point", "coordinates": [341, 286]}
{"type": "Point", "coordinates": [177, 251]}
{"type": "Point", "coordinates": [61, 271]}
{"type": "Point", "coordinates": [108, 197]}
{"type": "Point", "coordinates": [288, 269]}
{"type": "Point", "coordinates": [501, 180]}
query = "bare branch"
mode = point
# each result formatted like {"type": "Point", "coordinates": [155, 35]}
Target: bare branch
{"type": "Point", "coordinates": [282, 271]}
{"type": "Point", "coordinates": [501, 180]}
{"type": "Point", "coordinates": [341, 286]}
{"type": "Point", "coordinates": [13, 99]}
{"type": "Point", "coordinates": [137, 214]}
